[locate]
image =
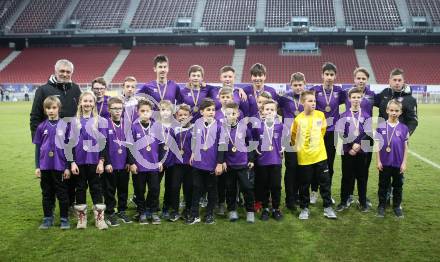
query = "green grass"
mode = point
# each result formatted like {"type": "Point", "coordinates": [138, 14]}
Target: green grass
{"type": "Point", "coordinates": [352, 237]}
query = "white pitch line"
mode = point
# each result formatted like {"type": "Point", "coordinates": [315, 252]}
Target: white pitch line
{"type": "Point", "coordinates": [424, 159]}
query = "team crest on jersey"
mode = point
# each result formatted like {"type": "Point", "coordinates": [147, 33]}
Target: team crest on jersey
{"type": "Point", "coordinates": [319, 122]}
{"type": "Point", "coordinates": [336, 95]}
{"type": "Point", "coordinates": [398, 133]}
{"type": "Point", "coordinates": [155, 90]}
{"type": "Point", "coordinates": [384, 132]}
{"type": "Point", "coordinates": [110, 132]}
{"type": "Point", "coordinates": [138, 135]}
{"type": "Point", "coordinates": [45, 132]}
{"type": "Point", "coordinates": [320, 94]}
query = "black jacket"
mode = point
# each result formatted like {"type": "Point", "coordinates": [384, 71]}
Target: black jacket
{"type": "Point", "coordinates": [68, 93]}
{"type": "Point", "coordinates": [409, 106]}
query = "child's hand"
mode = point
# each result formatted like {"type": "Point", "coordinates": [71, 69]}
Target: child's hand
{"type": "Point", "coordinates": [160, 167]}
{"type": "Point", "coordinates": [109, 169]}
{"type": "Point", "coordinates": [218, 169]}
{"type": "Point", "coordinates": [127, 167]}
{"type": "Point", "coordinates": [242, 94]}
{"type": "Point", "coordinates": [250, 165]}
{"type": "Point", "coordinates": [133, 169]}
{"type": "Point", "coordinates": [66, 174]}
{"type": "Point", "coordinates": [191, 159]}
{"type": "Point", "coordinates": [37, 173]}
{"type": "Point", "coordinates": [74, 168]}
{"type": "Point", "coordinates": [352, 152]}
{"type": "Point", "coordinates": [379, 166]}
{"type": "Point", "coordinates": [403, 168]}
{"type": "Point", "coordinates": [100, 168]}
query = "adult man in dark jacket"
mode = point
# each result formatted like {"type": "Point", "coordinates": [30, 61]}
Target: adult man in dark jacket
{"type": "Point", "coordinates": [401, 92]}
{"type": "Point", "coordinates": [60, 84]}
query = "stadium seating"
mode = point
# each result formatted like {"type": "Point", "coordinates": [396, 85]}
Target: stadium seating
{"type": "Point", "coordinates": [7, 9]}
{"type": "Point", "coordinates": [4, 52]}
{"type": "Point", "coordinates": [421, 64]}
{"type": "Point", "coordinates": [320, 13]}
{"type": "Point", "coordinates": [229, 14]}
{"type": "Point", "coordinates": [101, 14]}
{"type": "Point", "coordinates": [139, 62]}
{"type": "Point", "coordinates": [161, 14]}
{"type": "Point", "coordinates": [371, 14]}
{"type": "Point", "coordinates": [40, 15]}
{"type": "Point", "coordinates": [280, 67]}
{"type": "Point", "coordinates": [35, 65]}
{"type": "Point", "coordinates": [427, 8]}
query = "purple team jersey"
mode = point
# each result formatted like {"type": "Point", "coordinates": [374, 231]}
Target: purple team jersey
{"type": "Point", "coordinates": [205, 148]}
{"type": "Point", "coordinates": [243, 105]}
{"type": "Point", "coordinates": [252, 97]}
{"type": "Point", "coordinates": [236, 139]}
{"type": "Point", "coordinates": [394, 158]}
{"type": "Point", "coordinates": [145, 148]}
{"type": "Point", "coordinates": [269, 137]}
{"type": "Point", "coordinates": [289, 103]}
{"type": "Point", "coordinates": [102, 107]}
{"type": "Point", "coordinates": [170, 91]}
{"type": "Point", "coordinates": [346, 126]}
{"type": "Point", "coordinates": [117, 151]}
{"type": "Point", "coordinates": [91, 140]}
{"type": "Point", "coordinates": [337, 98]}
{"type": "Point", "coordinates": [367, 102]}
{"type": "Point", "coordinates": [183, 139]}
{"type": "Point", "coordinates": [189, 98]}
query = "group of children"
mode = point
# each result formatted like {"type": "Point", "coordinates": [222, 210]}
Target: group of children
{"type": "Point", "coordinates": [216, 142]}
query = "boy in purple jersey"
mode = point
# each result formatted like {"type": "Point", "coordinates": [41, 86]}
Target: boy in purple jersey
{"type": "Point", "coordinates": [88, 160]}
{"type": "Point", "coordinates": [227, 78]}
{"type": "Point", "coordinates": [328, 98]}
{"type": "Point", "coordinates": [203, 159]}
{"type": "Point", "coordinates": [353, 126]}
{"type": "Point", "coordinates": [195, 91]}
{"type": "Point", "coordinates": [99, 86]}
{"type": "Point", "coordinates": [51, 165]}
{"type": "Point", "coordinates": [236, 161]}
{"type": "Point", "coordinates": [269, 160]}
{"type": "Point", "coordinates": [361, 76]}
{"type": "Point", "coordinates": [392, 154]}
{"type": "Point", "coordinates": [161, 88]}
{"type": "Point", "coordinates": [290, 106]}
{"type": "Point", "coordinates": [182, 170]}
{"type": "Point", "coordinates": [116, 177]}
{"type": "Point", "coordinates": [144, 163]}
{"type": "Point", "coordinates": [258, 77]}
{"type": "Point", "coordinates": [168, 153]}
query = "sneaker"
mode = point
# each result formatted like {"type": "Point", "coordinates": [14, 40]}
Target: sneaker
{"type": "Point", "coordinates": [233, 216]}
{"type": "Point", "coordinates": [47, 223]}
{"type": "Point", "coordinates": [329, 213]}
{"type": "Point", "coordinates": [341, 207]}
{"type": "Point", "coordinates": [64, 223]}
{"type": "Point", "coordinates": [380, 212]}
{"type": "Point", "coordinates": [143, 219]}
{"type": "Point", "coordinates": [221, 211]}
{"type": "Point", "coordinates": [350, 201]}
{"type": "Point", "coordinates": [185, 215]}
{"type": "Point", "coordinates": [365, 208]}
{"type": "Point", "coordinates": [250, 217]}
{"type": "Point", "coordinates": [304, 215]}
{"type": "Point", "coordinates": [313, 197]}
{"type": "Point", "coordinates": [398, 212]}
{"type": "Point", "coordinates": [174, 216]}
{"type": "Point", "coordinates": [124, 217]}
{"type": "Point", "coordinates": [265, 214]}
{"type": "Point", "coordinates": [209, 219]}
{"type": "Point", "coordinates": [192, 220]}
{"type": "Point", "coordinates": [165, 214]}
{"type": "Point", "coordinates": [112, 220]}
{"type": "Point", "coordinates": [277, 215]}
{"type": "Point", "coordinates": [155, 219]}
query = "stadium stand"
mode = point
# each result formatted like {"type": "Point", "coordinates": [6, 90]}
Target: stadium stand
{"type": "Point", "coordinates": [7, 9]}
{"type": "Point", "coordinates": [426, 8]}
{"type": "Point", "coordinates": [161, 14]}
{"type": "Point", "coordinates": [229, 14]}
{"type": "Point", "coordinates": [421, 64]}
{"type": "Point", "coordinates": [280, 67]}
{"type": "Point", "coordinates": [4, 52]}
{"type": "Point", "coordinates": [101, 14]}
{"type": "Point", "coordinates": [139, 62]}
{"type": "Point", "coordinates": [35, 65]}
{"type": "Point", "coordinates": [371, 14]}
{"type": "Point", "coordinates": [320, 13]}
{"type": "Point", "coordinates": [40, 15]}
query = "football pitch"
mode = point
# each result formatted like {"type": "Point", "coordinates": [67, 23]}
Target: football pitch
{"type": "Point", "coordinates": [354, 236]}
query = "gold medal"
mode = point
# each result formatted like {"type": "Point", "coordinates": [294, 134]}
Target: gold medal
{"type": "Point", "coordinates": [195, 109]}
{"type": "Point", "coordinates": [182, 152]}
{"type": "Point", "coordinates": [389, 139]}
{"type": "Point", "coordinates": [234, 149]}
{"type": "Point", "coordinates": [205, 148]}
{"type": "Point", "coordinates": [328, 109]}
{"type": "Point", "coordinates": [148, 148]}
{"type": "Point", "coordinates": [51, 154]}
{"type": "Point", "coordinates": [86, 148]}
{"type": "Point", "coordinates": [166, 148]}
{"type": "Point", "coordinates": [120, 151]}
{"type": "Point", "coordinates": [388, 149]}
{"type": "Point", "coordinates": [296, 112]}
{"type": "Point", "coordinates": [270, 148]}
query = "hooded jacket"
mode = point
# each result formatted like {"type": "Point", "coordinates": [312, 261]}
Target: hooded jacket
{"type": "Point", "coordinates": [409, 105]}
{"type": "Point", "coordinates": [68, 93]}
